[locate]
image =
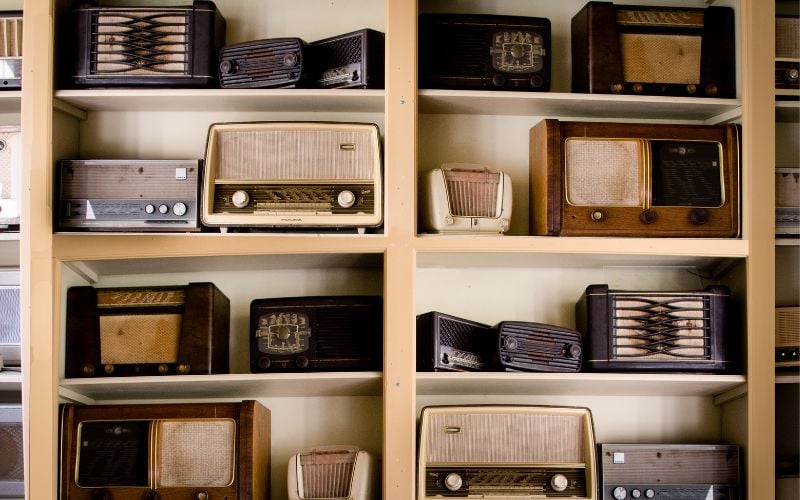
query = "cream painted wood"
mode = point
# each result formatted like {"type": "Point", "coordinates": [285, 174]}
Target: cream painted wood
{"type": "Point", "coordinates": [407, 268]}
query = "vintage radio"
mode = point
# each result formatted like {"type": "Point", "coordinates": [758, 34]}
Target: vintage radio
{"type": "Point", "coordinates": [324, 333]}
{"type": "Point", "coordinates": [332, 472]}
{"type": "Point", "coordinates": [624, 179]}
{"type": "Point", "coordinates": [450, 343]}
{"type": "Point", "coordinates": [657, 331]}
{"type": "Point", "coordinates": [293, 175]}
{"type": "Point", "coordinates": [128, 195]}
{"type": "Point", "coordinates": [787, 201]}
{"type": "Point", "coordinates": [12, 480]}
{"type": "Point", "coordinates": [484, 52]}
{"type": "Point", "coordinates": [212, 451]}
{"type": "Point", "coordinates": [270, 63]}
{"type": "Point", "coordinates": [10, 177]}
{"type": "Point", "coordinates": [787, 56]}
{"type": "Point", "coordinates": [697, 471]}
{"type": "Point", "coordinates": [465, 198]}
{"type": "Point", "coordinates": [10, 50]}
{"type": "Point", "coordinates": [506, 452]}
{"type": "Point", "coordinates": [526, 346]}
{"type": "Point", "coordinates": [157, 330]}
{"type": "Point", "coordinates": [787, 336]}
{"type": "Point", "coordinates": [147, 45]}
{"type": "Point", "coordinates": [635, 49]}
{"type": "Point", "coordinates": [10, 357]}
{"type": "Point", "coordinates": [351, 60]}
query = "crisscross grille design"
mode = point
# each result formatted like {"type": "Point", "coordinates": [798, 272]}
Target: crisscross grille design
{"type": "Point", "coordinates": [148, 43]}
{"type": "Point", "coordinates": [662, 327]}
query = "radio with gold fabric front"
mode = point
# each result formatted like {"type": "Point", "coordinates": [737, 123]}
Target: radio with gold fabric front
{"type": "Point", "coordinates": [630, 179]}
{"type": "Point", "coordinates": [293, 174]}
{"type": "Point", "coordinates": [158, 330]}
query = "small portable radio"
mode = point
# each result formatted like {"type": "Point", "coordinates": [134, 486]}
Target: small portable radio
{"type": "Point", "coordinates": [11, 50]}
{"type": "Point", "coordinates": [270, 63]}
{"type": "Point", "coordinates": [351, 60]}
{"type": "Point", "coordinates": [332, 472]}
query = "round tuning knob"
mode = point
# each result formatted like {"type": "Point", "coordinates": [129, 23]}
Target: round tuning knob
{"type": "Point", "coordinates": [620, 493]}
{"type": "Point", "coordinates": [559, 482]}
{"type": "Point", "coordinates": [453, 482]}
{"type": "Point", "coordinates": [792, 74]}
{"type": "Point", "coordinates": [649, 493]}
{"type": "Point", "coordinates": [179, 209]}
{"type": "Point", "coordinates": [647, 217]}
{"type": "Point", "coordinates": [699, 216]}
{"type": "Point", "coordinates": [240, 199]}
{"type": "Point", "coordinates": [226, 67]}
{"type": "Point", "coordinates": [346, 199]}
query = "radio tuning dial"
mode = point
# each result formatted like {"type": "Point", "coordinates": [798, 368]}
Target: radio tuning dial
{"type": "Point", "coordinates": [620, 493]}
{"type": "Point", "coordinates": [649, 493]}
{"type": "Point", "coordinates": [240, 199]}
{"type": "Point", "coordinates": [150, 208]}
{"type": "Point", "coordinates": [453, 482]}
{"type": "Point", "coordinates": [346, 199]}
{"type": "Point", "coordinates": [559, 482]}
{"type": "Point", "coordinates": [179, 209]}
{"type": "Point", "coordinates": [598, 215]}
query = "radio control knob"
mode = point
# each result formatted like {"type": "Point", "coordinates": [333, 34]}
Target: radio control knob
{"type": "Point", "coordinates": [510, 343]}
{"type": "Point", "coordinates": [691, 88]}
{"type": "Point", "coordinates": [226, 67]}
{"type": "Point", "coordinates": [699, 216]}
{"type": "Point", "coordinates": [108, 369]}
{"type": "Point", "coordinates": [453, 482]}
{"type": "Point", "coordinates": [240, 199]}
{"type": "Point", "coordinates": [149, 208]}
{"type": "Point", "coordinates": [536, 81]}
{"type": "Point", "coordinates": [498, 80]}
{"type": "Point", "coordinates": [290, 59]}
{"type": "Point", "coordinates": [88, 370]}
{"type": "Point", "coordinates": [201, 495]}
{"type": "Point", "coordinates": [346, 199]}
{"type": "Point", "coordinates": [573, 350]}
{"type": "Point", "coordinates": [636, 493]}
{"type": "Point", "coordinates": [264, 363]}
{"type": "Point", "coordinates": [150, 495]}
{"type": "Point", "coordinates": [301, 361]}
{"type": "Point", "coordinates": [617, 88]}
{"type": "Point", "coordinates": [792, 74]}
{"type": "Point", "coordinates": [559, 482]}
{"type": "Point", "coordinates": [179, 209]}
{"type": "Point", "coordinates": [183, 368]}
{"type": "Point", "coordinates": [163, 369]}
{"type": "Point", "coordinates": [598, 215]}
{"type": "Point", "coordinates": [647, 217]}
{"type": "Point", "coordinates": [162, 209]}
{"type": "Point", "coordinates": [712, 89]}
{"type": "Point", "coordinates": [620, 493]}
{"type": "Point", "coordinates": [649, 493]}
{"type": "Point", "coordinates": [637, 88]}
{"type": "Point", "coordinates": [101, 494]}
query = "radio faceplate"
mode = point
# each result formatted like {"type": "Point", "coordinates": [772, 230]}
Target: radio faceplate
{"type": "Point", "coordinates": [270, 63]}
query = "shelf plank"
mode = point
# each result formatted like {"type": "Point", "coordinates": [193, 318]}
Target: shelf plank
{"type": "Point", "coordinates": [206, 100]}
{"type": "Point", "coordinates": [581, 384]}
{"type": "Point", "coordinates": [565, 105]}
{"type": "Point", "coordinates": [242, 386]}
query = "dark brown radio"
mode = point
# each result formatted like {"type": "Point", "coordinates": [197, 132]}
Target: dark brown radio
{"type": "Point", "coordinates": [450, 343]}
{"type": "Point", "coordinates": [537, 347]}
{"type": "Point", "coordinates": [213, 451]}
{"type": "Point", "coordinates": [146, 45]}
{"type": "Point", "coordinates": [787, 201]}
{"type": "Point", "coordinates": [666, 471]}
{"type": "Point", "coordinates": [12, 466]}
{"type": "Point", "coordinates": [657, 330]}
{"type": "Point", "coordinates": [158, 330]}
{"type": "Point", "coordinates": [270, 63]}
{"type": "Point", "coordinates": [787, 336]}
{"type": "Point", "coordinates": [787, 56]}
{"type": "Point", "coordinates": [506, 451]}
{"type": "Point", "coordinates": [484, 52]}
{"type": "Point", "coordinates": [633, 49]}
{"type": "Point", "coordinates": [324, 333]}
{"type": "Point", "coordinates": [11, 50]}
{"type": "Point", "coordinates": [351, 60]}
{"type": "Point", "coordinates": [629, 179]}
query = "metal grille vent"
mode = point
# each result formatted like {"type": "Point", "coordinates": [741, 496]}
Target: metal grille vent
{"type": "Point", "coordinates": [267, 63]}
{"type": "Point", "coordinates": [468, 42]}
{"type": "Point", "coordinates": [327, 474]}
{"type": "Point", "coordinates": [345, 332]}
{"type": "Point", "coordinates": [664, 327]}
{"type": "Point", "coordinates": [473, 193]}
{"type": "Point", "coordinates": [145, 43]}
{"type": "Point", "coordinates": [9, 315]}
{"type": "Point", "coordinates": [340, 52]}
{"type": "Point", "coordinates": [462, 336]}
{"type": "Point", "coordinates": [787, 41]}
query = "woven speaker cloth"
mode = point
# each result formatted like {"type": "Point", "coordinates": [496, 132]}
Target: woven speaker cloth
{"type": "Point", "coordinates": [139, 338]}
{"type": "Point", "coordinates": [660, 58]}
{"type": "Point", "coordinates": [196, 453]}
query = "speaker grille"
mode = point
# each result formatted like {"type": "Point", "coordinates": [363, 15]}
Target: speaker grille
{"type": "Point", "coordinates": [508, 437]}
{"type": "Point", "coordinates": [473, 193]}
{"type": "Point", "coordinates": [145, 43]}
{"type": "Point", "coordinates": [139, 338]}
{"type": "Point", "coordinates": [285, 154]}
{"type": "Point", "coordinates": [339, 52]}
{"type": "Point", "coordinates": [462, 335]}
{"type": "Point", "coordinates": [655, 464]}
{"type": "Point", "coordinates": [603, 172]}
{"type": "Point", "coordinates": [787, 37]}
{"type": "Point", "coordinates": [663, 327]}
{"type": "Point", "coordinates": [10, 164]}
{"type": "Point", "coordinates": [263, 63]}
{"type": "Point", "coordinates": [345, 332]}
{"type": "Point", "coordinates": [327, 474]}
{"type": "Point", "coordinates": [787, 189]}
{"type": "Point", "coordinates": [9, 315]}
{"type": "Point", "coordinates": [787, 326]}
{"type": "Point", "coordinates": [11, 462]}
{"type": "Point", "coordinates": [196, 453]}
{"type": "Point", "coordinates": [11, 37]}
{"type": "Point", "coordinates": [660, 58]}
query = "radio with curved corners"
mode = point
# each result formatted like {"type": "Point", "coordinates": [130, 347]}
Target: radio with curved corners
{"type": "Point", "coordinates": [634, 179]}
{"type": "Point", "coordinates": [332, 472]}
{"type": "Point", "coordinates": [12, 480]}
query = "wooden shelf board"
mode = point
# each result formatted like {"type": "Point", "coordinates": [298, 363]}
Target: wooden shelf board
{"type": "Point", "coordinates": [651, 108]}
{"type": "Point", "coordinates": [584, 384]}
{"type": "Point", "coordinates": [205, 100]}
{"type": "Point", "coordinates": [241, 386]}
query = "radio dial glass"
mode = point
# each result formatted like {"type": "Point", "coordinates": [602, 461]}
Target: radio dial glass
{"type": "Point", "coordinates": [517, 51]}
{"type": "Point", "coordinates": [283, 333]}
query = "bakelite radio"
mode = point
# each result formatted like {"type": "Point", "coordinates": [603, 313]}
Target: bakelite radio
{"type": "Point", "coordinates": [787, 336]}
{"type": "Point", "coordinates": [351, 60]}
{"type": "Point", "coordinates": [626, 179]}
{"type": "Point", "coordinates": [787, 56]}
{"type": "Point", "coordinates": [787, 202]}
{"type": "Point", "coordinates": [157, 330]}
{"type": "Point", "coordinates": [651, 50]}
{"type": "Point", "coordinates": [269, 63]}
{"type": "Point", "coordinates": [211, 451]}
{"type": "Point", "coordinates": [332, 472]}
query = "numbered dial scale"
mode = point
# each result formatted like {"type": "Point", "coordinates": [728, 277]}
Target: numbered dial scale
{"type": "Point", "coordinates": [517, 51]}
{"type": "Point", "coordinates": [316, 333]}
